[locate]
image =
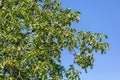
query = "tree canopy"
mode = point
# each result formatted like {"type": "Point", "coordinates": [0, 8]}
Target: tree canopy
{"type": "Point", "coordinates": [33, 34]}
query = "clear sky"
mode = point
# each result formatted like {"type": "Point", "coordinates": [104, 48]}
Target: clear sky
{"type": "Point", "coordinates": [99, 16]}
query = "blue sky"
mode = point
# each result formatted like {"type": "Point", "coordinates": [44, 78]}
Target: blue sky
{"type": "Point", "coordinates": [101, 16]}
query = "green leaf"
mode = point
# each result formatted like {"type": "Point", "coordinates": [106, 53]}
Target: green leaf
{"type": "Point", "coordinates": [33, 34]}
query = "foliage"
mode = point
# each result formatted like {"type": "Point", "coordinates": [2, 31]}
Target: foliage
{"type": "Point", "coordinates": [33, 34]}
